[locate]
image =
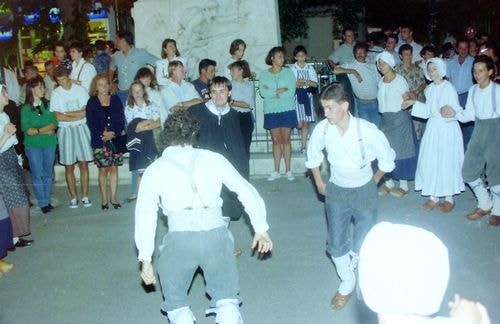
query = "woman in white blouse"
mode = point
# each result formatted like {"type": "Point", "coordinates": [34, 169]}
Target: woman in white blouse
{"type": "Point", "coordinates": [169, 53]}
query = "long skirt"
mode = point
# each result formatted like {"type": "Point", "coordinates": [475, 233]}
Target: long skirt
{"type": "Point", "coordinates": [398, 128]}
{"type": "Point", "coordinates": [5, 230]}
{"type": "Point", "coordinates": [13, 191]}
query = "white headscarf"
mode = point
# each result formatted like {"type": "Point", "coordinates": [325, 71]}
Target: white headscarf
{"type": "Point", "coordinates": [403, 270]}
{"type": "Point", "coordinates": [387, 58]}
{"type": "Point", "coordinates": [440, 66]}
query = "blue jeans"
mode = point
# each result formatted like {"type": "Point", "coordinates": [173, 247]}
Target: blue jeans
{"type": "Point", "coordinates": [41, 162]}
{"type": "Point", "coordinates": [368, 110]}
{"type": "Point", "coordinates": [467, 128]}
{"type": "Point", "coordinates": [346, 206]}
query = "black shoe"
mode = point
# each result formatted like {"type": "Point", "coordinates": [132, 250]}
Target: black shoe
{"type": "Point", "coordinates": [50, 206]}
{"type": "Point", "coordinates": [105, 207]}
{"type": "Point", "coordinates": [23, 243]}
{"type": "Point", "coordinates": [116, 205]}
{"type": "Point", "coordinates": [46, 209]}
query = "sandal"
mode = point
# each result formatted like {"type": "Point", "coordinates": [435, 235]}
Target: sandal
{"type": "Point", "coordinates": [339, 301]}
{"type": "Point", "coordinates": [429, 205]}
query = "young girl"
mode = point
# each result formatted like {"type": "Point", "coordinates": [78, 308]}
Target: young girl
{"type": "Point", "coordinates": [38, 124]}
{"type": "Point", "coordinates": [439, 166]}
{"type": "Point", "coordinates": [169, 53]}
{"type": "Point", "coordinates": [243, 99]}
{"type": "Point", "coordinates": [147, 78]}
{"type": "Point", "coordinates": [307, 81]}
{"type": "Point", "coordinates": [277, 87]}
{"type": "Point", "coordinates": [396, 125]}
{"type": "Point", "coordinates": [142, 116]}
{"type": "Point", "coordinates": [237, 50]}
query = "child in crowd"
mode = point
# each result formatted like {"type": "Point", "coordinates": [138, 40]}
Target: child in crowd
{"type": "Point", "coordinates": [142, 116]}
{"type": "Point", "coordinates": [307, 82]}
{"type": "Point", "coordinates": [243, 99]}
{"type": "Point", "coordinates": [441, 150]}
{"type": "Point", "coordinates": [169, 53]}
{"type": "Point", "coordinates": [146, 77]}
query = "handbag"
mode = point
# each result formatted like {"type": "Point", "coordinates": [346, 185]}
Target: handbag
{"type": "Point", "coordinates": [120, 144]}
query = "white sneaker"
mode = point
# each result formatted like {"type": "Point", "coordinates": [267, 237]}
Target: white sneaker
{"type": "Point", "coordinates": [86, 202]}
{"type": "Point", "coordinates": [290, 176]}
{"type": "Point", "coordinates": [273, 176]}
{"type": "Point", "coordinates": [73, 203]}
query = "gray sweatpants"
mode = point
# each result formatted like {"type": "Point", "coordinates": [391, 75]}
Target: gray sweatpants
{"type": "Point", "coordinates": [483, 151]}
{"type": "Point", "coordinates": [181, 253]}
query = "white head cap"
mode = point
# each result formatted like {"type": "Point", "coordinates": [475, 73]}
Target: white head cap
{"type": "Point", "coordinates": [403, 270]}
{"type": "Point", "coordinates": [387, 58]}
{"type": "Point", "coordinates": [440, 66]}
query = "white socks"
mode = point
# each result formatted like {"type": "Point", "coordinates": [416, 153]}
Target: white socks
{"type": "Point", "coordinates": [228, 312]}
{"type": "Point", "coordinates": [483, 197]}
{"type": "Point", "coordinates": [495, 193]}
{"type": "Point", "coordinates": [345, 269]}
{"type": "Point", "coordinates": [390, 184]}
{"type": "Point", "coordinates": [182, 315]}
{"type": "Point", "coordinates": [403, 184]}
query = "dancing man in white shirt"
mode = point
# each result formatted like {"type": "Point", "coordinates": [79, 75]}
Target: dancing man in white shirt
{"type": "Point", "coordinates": [351, 192]}
{"type": "Point", "coordinates": [483, 151]}
{"type": "Point", "coordinates": [197, 234]}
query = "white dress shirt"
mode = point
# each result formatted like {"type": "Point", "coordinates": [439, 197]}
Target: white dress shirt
{"type": "Point", "coordinates": [348, 169]}
{"type": "Point", "coordinates": [83, 72]}
{"type": "Point", "coordinates": [164, 181]}
{"type": "Point", "coordinates": [480, 103]}
{"type": "Point", "coordinates": [390, 95]}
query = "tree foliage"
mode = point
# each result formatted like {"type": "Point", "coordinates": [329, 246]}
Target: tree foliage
{"type": "Point", "coordinates": [346, 13]}
{"type": "Point", "coordinates": [293, 23]}
{"type": "Point", "coordinates": [432, 19]}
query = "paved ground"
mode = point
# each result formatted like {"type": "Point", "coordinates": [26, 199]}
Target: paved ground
{"type": "Point", "coordinates": [82, 267]}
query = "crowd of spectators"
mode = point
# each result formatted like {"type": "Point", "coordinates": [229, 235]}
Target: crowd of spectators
{"type": "Point", "coordinates": [95, 108]}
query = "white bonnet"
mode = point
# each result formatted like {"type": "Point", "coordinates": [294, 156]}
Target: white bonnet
{"type": "Point", "coordinates": [403, 270]}
{"type": "Point", "coordinates": [387, 58]}
{"type": "Point", "coordinates": [440, 65]}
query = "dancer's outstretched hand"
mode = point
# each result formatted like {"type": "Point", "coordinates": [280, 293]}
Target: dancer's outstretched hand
{"type": "Point", "coordinates": [147, 273]}
{"type": "Point", "coordinates": [263, 243]}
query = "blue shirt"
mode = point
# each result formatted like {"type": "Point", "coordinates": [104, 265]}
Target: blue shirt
{"type": "Point", "coordinates": [460, 75]}
{"type": "Point", "coordinates": [129, 64]}
{"type": "Point", "coordinates": [102, 62]}
{"type": "Point", "coordinates": [202, 88]}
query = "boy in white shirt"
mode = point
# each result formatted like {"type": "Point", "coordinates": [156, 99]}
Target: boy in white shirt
{"type": "Point", "coordinates": [351, 144]}
{"type": "Point", "coordinates": [483, 150]}
{"type": "Point", "coordinates": [68, 103]}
